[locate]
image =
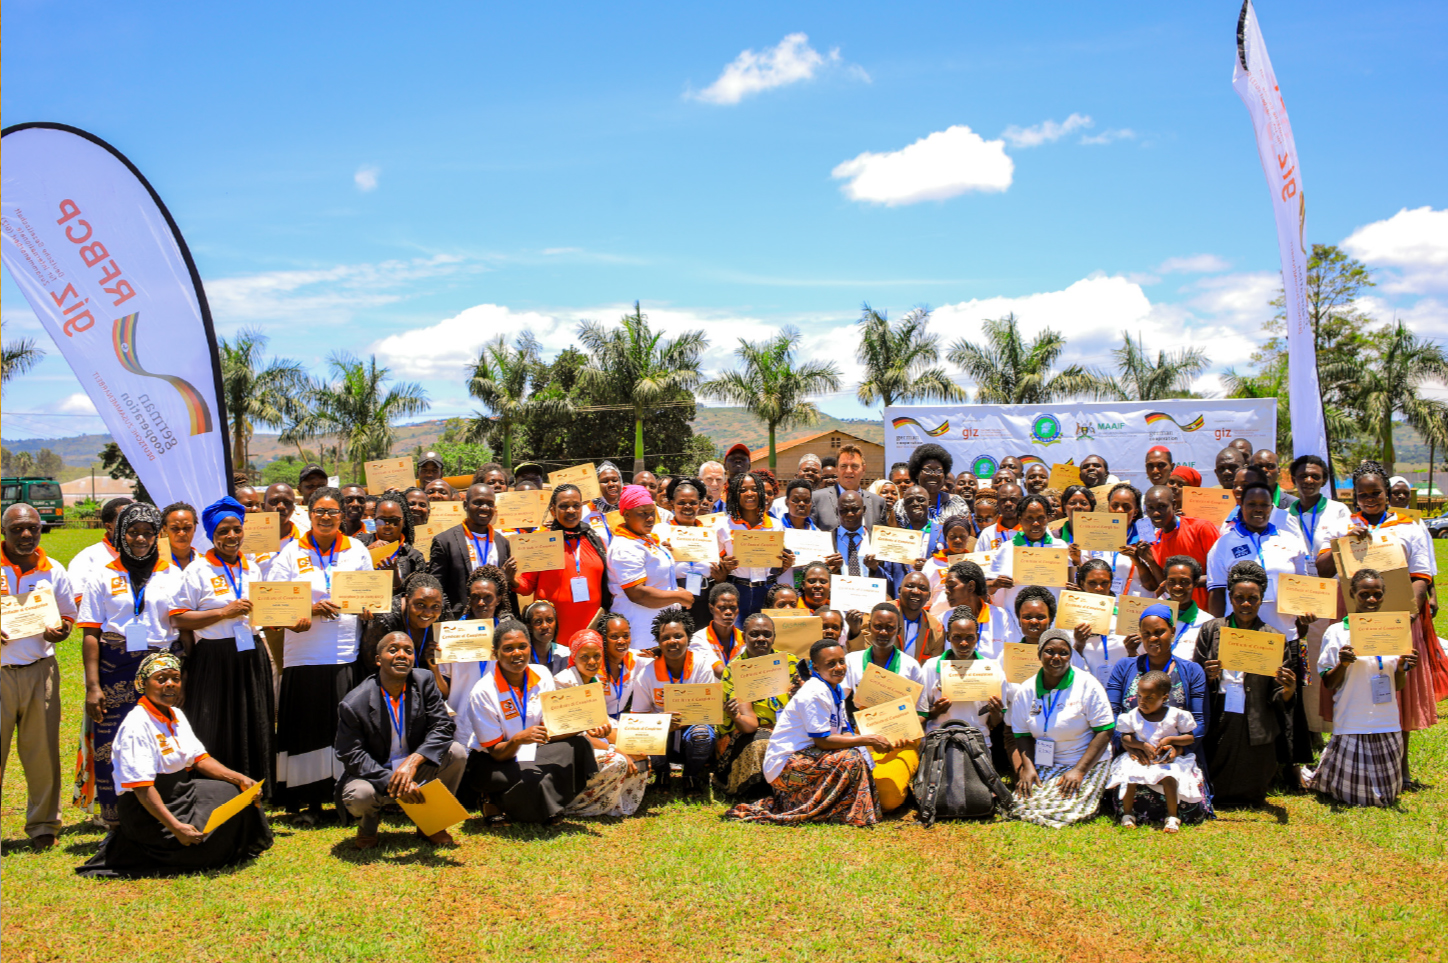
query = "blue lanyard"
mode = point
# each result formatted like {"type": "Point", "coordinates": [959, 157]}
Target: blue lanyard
{"type": "Point", "coordinates": [809, 524]}
{"type": "Point", "coordinates": [1045, 540]}
{"type": "Point", "coordinates": [839, 698]}
{"type": "Point", "coordinates": [139, 601]}
{"type": "Point", "coordinates": [1255, 541]}
{"type": "Point", "coordinates": [912, 636]}
{"type": "Point", "coordinates": [617, 686]}
{"type": "Point", "coordinates": [670, 673]}
{"type": "Point", "coordinates": [1181, 631]}
{"type": "Point", "coordinates": [486, 547]}
{"type": "Point", "coordinates": [399, 717]}
{"type": "Point", "coordinates": [1051, 705]}
{"type": "Point", "coordinates": [238, 583]}
{"type": "Point", "coordinates": [326, 566]}
{"type": "Point", "coordinates": [520, 702]}
{"type": "Point", "coordinates": [534, 653]}
{"type": "Point", "coordinates": [1310, 533]}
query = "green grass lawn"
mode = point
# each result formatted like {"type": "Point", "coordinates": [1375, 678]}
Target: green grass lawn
{"type": "Point", "coordinates": [1299, 880]}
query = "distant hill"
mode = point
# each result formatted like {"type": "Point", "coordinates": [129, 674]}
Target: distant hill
{"type": "Point", "coordinates": [729, 425]}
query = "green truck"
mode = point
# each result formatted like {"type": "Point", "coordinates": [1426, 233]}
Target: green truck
{"type": "Point", "coordinates": [42, 494]}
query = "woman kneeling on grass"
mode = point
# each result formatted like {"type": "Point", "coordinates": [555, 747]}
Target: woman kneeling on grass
{"type": "Point", "coordinates": [168, 788]}
{"type": "Point", "coordinates": [818, 768]}
{"type": "Point", "coordinates": [1062, 722]}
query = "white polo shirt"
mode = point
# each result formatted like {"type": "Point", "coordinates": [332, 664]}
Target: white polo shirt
{"type": "Point", "coordinates": [900, 663]}
{"type": "Point", "coordinates": [107, 603]}
{"type": "Point", "coordinates": [810, 713]}
{"type": "Point", "coordinates": [1079, 712]}
{"type": "Point", "coordinates": [211, 584]}
{"type": "Point", "coordinates": [704, 644]}
{"type": "Point", "coordinates": [149, 744]}
{"type": "Point", "coordinates": [87, 561]}
{"type": "Point", "coordinates": [725, 535]}
{"type": "Point", "coordinates": [328, 641]}
{"type": "Point", "coordinates": [493, 706]}
{"type": "Point", "coordinates": [1275, 550]}
{"type": "Point", "coordinates": [1327, 520]}
{"type": "Point", "coordinates": [266, 560]}
{"type": "Point", "coordinates": [638, 561]}
{"type": "Point", "coordinates": [1001, 565]}
{"type": "Point", "coordinates": [959, 711]}
{"type": "Point", "coordinates": [46, 574]}
{"type": "Point", "coordinates": [651, 675]}
{"type": "Point", "coordinates": [1188, 626]}
{"type": "Point", "coordinates": [1353, 710]}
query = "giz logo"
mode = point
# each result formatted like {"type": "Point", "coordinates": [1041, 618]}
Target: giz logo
{"type": "Point", "coordinates": [1223, 433]}
{"type": "Point", "coordinates": [970, 432]}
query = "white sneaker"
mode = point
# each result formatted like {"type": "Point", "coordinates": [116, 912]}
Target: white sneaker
{"type": "Point", "coordinates": [1128, 821]}
{"type": "Point", "coordinates": [1173, 825]}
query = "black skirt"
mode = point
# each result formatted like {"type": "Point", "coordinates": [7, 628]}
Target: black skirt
{"type": "Point", "coordinates": [307, 765]}
{"type": "Point", "coordinates": [142, 846]}
{"type": "Point", "coordinates": [537, 791]}
{"type": "Point", "coordinates": [230, 706]}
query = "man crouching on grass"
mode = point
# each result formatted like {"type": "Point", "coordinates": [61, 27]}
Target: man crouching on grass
{"type": "Point", "coordinates": [393, 734]}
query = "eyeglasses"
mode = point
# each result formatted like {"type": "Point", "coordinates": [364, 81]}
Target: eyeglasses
{"type": "Point", "coordinates": [326, 512]}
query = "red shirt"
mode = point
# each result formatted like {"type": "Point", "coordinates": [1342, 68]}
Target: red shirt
{"type": "Point", "coordinates": [1192, 536]}
{"type": "Point", "coordinates": [579, 558]}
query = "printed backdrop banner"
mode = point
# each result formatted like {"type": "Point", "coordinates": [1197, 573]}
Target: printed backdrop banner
{"type": "Point", "coordinates": [1256, 84]}
{"type": "Point", "coordinates": [979, 436]}
{"type": "Point", "coordinates": [105, 269]}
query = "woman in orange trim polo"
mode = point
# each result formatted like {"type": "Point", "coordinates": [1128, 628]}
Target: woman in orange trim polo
{"type": "Point", "coordinates": [692, 745]}
{"type": "Point", "coordinates": [640, 568]}
{"type": "Point", "coordinates": [319, 661]}
{"type": "Point", "coordinates": [746, 510]}
{"type": "Point", "coordinates": [169, 786]}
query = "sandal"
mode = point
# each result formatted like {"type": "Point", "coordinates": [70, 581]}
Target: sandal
{"type": "Point", "coordinates": [1128, 821]}
{"type": "Point", "coordinates": [1173, 825]}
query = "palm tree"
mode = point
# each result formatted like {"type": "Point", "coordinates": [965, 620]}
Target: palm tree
{"type": "Point", "coordinates": [897, 360]}
{"type": "Point", "coordinates": [256, 392]}
{"type": "Point", "coordinates": [772, 387]}
{"type": "Point", "coordinates": [1387, 382]}
{"type": "Point", "coordinates": [1008, 371]}
{"type": "Point", "coordinates": [1272, 383]}
{"type": "Point", "coordinates": [501, 379]}
{"type": "Point", "coordinates": [637, 369]}
{"type": "Point", "coordinates": [1141, 379]}
{"type": "Point", "coordinates": [358, 408]}
{"type": "Point", "coordinates": [18, 357]}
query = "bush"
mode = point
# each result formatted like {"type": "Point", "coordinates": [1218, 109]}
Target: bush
{"type": "Point", "coordinates": [89, 508]}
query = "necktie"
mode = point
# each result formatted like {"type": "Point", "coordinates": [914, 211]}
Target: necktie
{"type": "Point", "coordinates": [854, 561]}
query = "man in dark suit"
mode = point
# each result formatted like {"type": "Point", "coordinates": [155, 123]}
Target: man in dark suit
{"type": "Point", "coordinates": [851, 469]}
{"type": "Point", "coordinates": [853, 554]}
{"type": "Point", "coordinates": [459, 550]}
{"type": "Point", "coordinates": [393, 734]}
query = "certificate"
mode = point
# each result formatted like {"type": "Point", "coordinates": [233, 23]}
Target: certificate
{"type": "Point", "coordinates": [1378, 551]}
{"type": "Point", "coordinates": [1380, 633]}
{"type": "Point", "coordinates": [584, 476]}
{"type": "Point", "coordinates": [280, 603]}
{"type": "Point", "coordinates": [1212, 504]}
{"type": "Point", "coordinates": [1129, 609]}
{"type": "Point", "coordinates": [693, 544]}
{"type": "Point", "coordinates": [1242, 650]}
{"type": "Point", "coordinates": [260, 533]}
{"type": "Point", "coordinates": [808, 545]}
{"type": "Point", "coordinates": [795, 635]}
{"type": "Point", "coordinates": [897, 721]}
{"type": "Point", "coordinates": [1412, 513]}
{"type": "Point", "coordinates": [697, 704]}
{"type": "Point", "coordinates": [1020, 661]}
{"type": "Point", "coordinates": [879, 685]}
{"type": "Point", "coordinates": [1099, 531]}
{"type": "Point", "coordinates": [980, 558]}
{"type": "Point", "coordinates": [1039, 566]}
{"type": "Point", "coordinates": [1103, 492]}
{"type": "Point", "coordinates": [232, 806]}
{"type": "Point", "coordinates": [444, 511]}
{"type": "Point", "coordinates": [537, 551]}
{"type": "Point", "coordinates": [974, 681]}
{"type": "Point", "coordinates": [1076, 608]}
{"type": "Point", "coordinates": [1063, 475]}
{"type": "Point", "coordinates": [521, 509]}
{"type": "Point", "coordinates": [761, 549]}
{"type": "Point", "coordinates": [354, 591]}
{"type": "Point", "coordinates": [470, 640]}
{"type": "Point", "coordinates": [574, 709]}
{"type": "Point", "coordinates": [381, 550]}
{"type": "Point", "coordinates": [642, 733]}
{"type": "Point", "coordinates": [1306, 595]}
{"type": "Point", "coordinates": [22, 616]}
{"type": "Point", "coordinates": [855, 593]}
{"type": "Point", "coordinates": [388, 474]}
{"type": "Point", "coordinates": [760, 677]}
{"type": "Point", "coordinates": [438, 810]}
{"type": "Point", "coordinates": [423, 535]}
{"type": "Point", "coordinates": [712, 520]}
{"type": "Point", "coordinates": [898, 545]}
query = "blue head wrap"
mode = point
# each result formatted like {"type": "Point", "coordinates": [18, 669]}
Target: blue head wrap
{"type": "Point", "coordinates": [1162, 612]}
{"type": "Point", "coordinates": [211, 515]}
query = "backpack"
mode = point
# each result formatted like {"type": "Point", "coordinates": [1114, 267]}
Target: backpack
{"type": "Point", "coordinates": [956, 779]}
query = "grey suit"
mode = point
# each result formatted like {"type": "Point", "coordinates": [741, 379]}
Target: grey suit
{"type": "Point", "coordinates": [826, 513]}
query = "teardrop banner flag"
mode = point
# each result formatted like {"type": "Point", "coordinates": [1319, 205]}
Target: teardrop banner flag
{"type": "Point", "coordinates": [106, 270]}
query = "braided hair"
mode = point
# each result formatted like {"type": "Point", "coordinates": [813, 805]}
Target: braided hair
{"type": "Point", "coordinates": [736, 483]}
{"type": "Point", "coordinates": [491, 573]}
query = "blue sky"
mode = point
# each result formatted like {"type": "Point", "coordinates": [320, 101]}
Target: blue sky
{"type": "Point", "coordinates": [361, 178]}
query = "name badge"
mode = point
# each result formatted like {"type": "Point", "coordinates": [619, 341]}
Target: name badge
{"type": "Point", "coordinates": [138, 636]}
{"type": "Point", "coordinates": [1382, 689]}
{"type": "Point", "coordinates": [245, 641]}
{"type": "Point", "coordinates": [1102, 673]}
{"type": "Point", "coordinates": [527, 752]}
{"type": "Point", "coordinates": [1045, 753]}
{"type": "Point", "coordinates": [579, 586]}
{"type": "Point", "coordinates": [694, 583]}
{"type": "Point", "coordinates": [1236, 693]}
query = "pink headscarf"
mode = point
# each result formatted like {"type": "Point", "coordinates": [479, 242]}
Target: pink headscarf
{"type": "Point", "coordinates": [633, 496]}
{"type": "Point", "coordinates": [581, 638]}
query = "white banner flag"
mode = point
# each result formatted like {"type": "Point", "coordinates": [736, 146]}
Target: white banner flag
{"type": "Point", "coordinates": [1256, 84]}
{"type": "Point", "coordinates": [106, 271]}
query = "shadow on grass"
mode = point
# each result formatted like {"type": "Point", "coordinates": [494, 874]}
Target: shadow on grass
{"type": "Point", "coordinates": [397, 849]}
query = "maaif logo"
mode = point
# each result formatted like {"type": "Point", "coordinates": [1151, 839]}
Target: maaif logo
{"type": "Point", "coordinates": [1045, 430]}
{"type": "Point", "coordinates": [123, 337]}
{"type": "Point", "coordinates": [983, 467]}
{"type": "Point", "coordinates": [1157, 416]}
{"type": "Point", "coordinates": [899, 423]}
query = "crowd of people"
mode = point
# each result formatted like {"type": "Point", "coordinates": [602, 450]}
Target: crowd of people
{"type": "Point", "coordinates": [188, 704]}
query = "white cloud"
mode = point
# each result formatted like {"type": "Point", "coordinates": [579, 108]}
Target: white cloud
{"type": "Point", "coordinates": [1044, 132]}
{"type": "Point", "coordinates": [444, 350]}
{"type": "Point", "coordinates": [1193, 264]}
{"type": "Point", "coordinates": [366, 178]}
{"type": "Point", "coordinates": [1411, 246]}
{"type": "Point", "coordinates": [791, 61]}
{"type": "Point", "coordinates": [76, 404]}
{"type": "Point", "coordinates": [1107, 136]}
{"type": "Point", "coordinates": [944, 164]}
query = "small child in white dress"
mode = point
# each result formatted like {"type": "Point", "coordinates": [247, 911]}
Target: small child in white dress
{"type": "Point", "coordinates": [1158, 739]}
